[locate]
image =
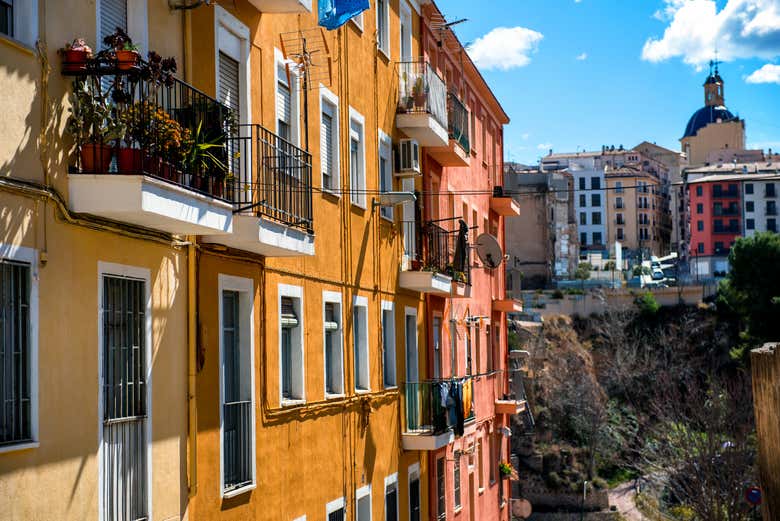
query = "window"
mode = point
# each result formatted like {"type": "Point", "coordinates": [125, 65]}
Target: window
{"type": "Point", "coordinates": [391, 498]}
{"type": "Point", "coordinates": [437, 355]}
{"type": "Point", "coordinates": [596, 218]}
{"type": "Point", "coordinates": [456, 483]}
{"type": "Point", "coordinates": [700, 247]}
{"type": "Point", "coordinates": [329, 144]}
{"type": "Point", "coordinates": [18, 349]}
{"type": "Point", "coordinates": [620, 234]}
{"type": "Point", "coordinates": [595, 183]}
{"type": "Point", "coordinates": [333, 340]}
{"type": "Point", "coordinates": [358, 21]}
{"type": "Point", "coordinates": [596, 237]}
{"type": "Point", "coordinates": [7, 17]}
{"type": "Point", "coordinates": [414, 492]}
{"type": "Point", "coordinates": [287, 108]}
{"type": "Point", "coordinates": [618, 202]}
{"type": "Point", "coordinates": [750, 224]}
{"type": "Point", "coordinates": [700, 226]}
{"type": "Point", "coordinates": [233, 55]}
{"type": "Point", "coordinates": [385, 171]}
{"type": "Point", "coordinates": [583, 201]}
{"type": "Point", "coordinates": [406, 38]}
{"type": "Point", "coordinates": [388, 345]}
{"type": "Point", "coordinates": [582, 183]}
{"type": "Point", "coordinates": [583, 239]}
{"type": "Point", "coordinates": [699, 208]}
{"type": "Point", "coordinates": [619, 187]}
{"type": "Point", "coordinates": [467, 338]}
{"type": "Point", "coordinates": [453, 347]}
{"type": "Point", "coordinates": [583, 218]}
{"type": "Point", "coordinates": [335, 510]}
{"type": "Point", "coordinates": [360, 342]}
{"type": "Point", "coordinates": [410, 334]}
{"type": "Point", "coordinates": [357, 171]}
{"type": "Point", "coordinates": [718, 247]}
{"type": "Point", "coordinates": [236, 353]}
{"type": "Point", "coordinates": [750, 206]}
{"type": "Point", "coordinates": [383, 26]}
{"type": "Point", "coordinates": [363, 508]}
{"type": "Point", "coordinates": [441, 506]}
{"type": "Point", "coordinates": [771, 208]}
{"type": "Point", "coordinates": [124, 405]}
{"type": "Point", "coordinates": [595, 199]}
{"type": "Point", "coordinates": [749, 188]}
{"type": "Point", "coordinates": [291, 368]}
{"type": "Point", "coordinates": [771, 225]}
{"type": "Point", "coordinates": [770, 190]}
{"type": "Point", "coordinates": [493, 463]}
{"type": "Point", "coordinates": [699, 190]}
{"type": "Point", "coordinates": [480, 465]}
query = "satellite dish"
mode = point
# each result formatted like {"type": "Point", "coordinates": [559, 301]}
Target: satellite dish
{"type": "Point", "coordinates": [489, 251]}
{"type": "Point", "coordinates": [521, 508]}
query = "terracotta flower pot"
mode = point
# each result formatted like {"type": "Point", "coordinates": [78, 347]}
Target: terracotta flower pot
{"type": "Point", "coordinates": [152, 165]}
{"type": "Point", "coordinates": [170, 172]}
{"type": "Point", "coordinates": [126, 60]}
{"type": "Point", "coordinates": [74, 61]}
{"type": "Point", "coordinates": [95, 158]}
{"type": "Point", "coordinates": [129, 160]}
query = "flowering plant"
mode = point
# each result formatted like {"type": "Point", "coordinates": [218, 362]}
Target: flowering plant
{"type": "Point", "coordinates": [156, 130]}
{"type": "Point", "coordinates": [505, 468]}
{"type": "Point", "coordinates": [78, 44]}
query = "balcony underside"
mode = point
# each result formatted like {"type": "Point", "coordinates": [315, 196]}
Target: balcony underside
{"type": "Point", "coordinates": [424, 128]}
{"type": "Point", "coordinates": [149, 202]}
{"type": "Point", "coordinates": [265, 237]}
{"type": "Point", "coordinates": [450, 155]}
{"type": "Point", "coordinates": [508, 306]}
{"type": "Point", "coordinates": [505, 206]}
{"type": "Point", "coordinates": [426, 441]}
{"type": "Point", "coordinates": [426, 282]}
{"type": "Point", "coordinates": [460, 290]}
{"type": "Point", "coordinates": [282, 6]}
{"type": "Point", "coordinates": [510, 407]}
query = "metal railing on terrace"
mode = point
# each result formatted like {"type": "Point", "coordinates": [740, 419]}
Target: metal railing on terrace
{"type": "Point", "coordinates": [458, 121]}
{"type": "Point", "coordinates": [431, 406]}
{"type": "Point", "coordinates": [436, 250]}
{"type": "Point", "coordinates": [421, 90]}
{"type": "Point", "coordinates": [237, 417]}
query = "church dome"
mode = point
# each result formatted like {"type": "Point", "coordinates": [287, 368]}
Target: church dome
{"type": "Point", "coordinates": [706, 115]}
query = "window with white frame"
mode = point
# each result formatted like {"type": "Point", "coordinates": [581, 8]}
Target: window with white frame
{"type": "Point", "coordinates": [385, 171]}
{"type": "Point", "coordinates": [329, 140]}
{"type": "Point", "coordinates": [363, 507]}
{"type": "Point", "coordinates": [357, 156]}
{"type": "Point", "coordinates": [414, 492]}
{"type": "Point", "coordinates": [18, 347]}
{"type": "Point", "coordinates": [336, 510]}
{"type": "Point", "coordinates": [391, 497]}
{"type": "Point", "coordinates": [287, 104]}
{"type": "Point", "coordinates": [383, 26]}
{"type": "Point", "coordinates": [129, 15]}
{"type": "Point", "coordinates": [437, 355]}
{"type": "Point", "coordinates": [441, 503]}
{"type": "Point", "coordinates": [388, 345]}
{"type": "Point", "coordinates": [456, 483]}
{"type": "Point", "coordinates": [410, 335]}
{"type": "Point", "coordinates": [406, 31]}
{"type": "Point", "coordinates": [333, 350]}
{"type": "Point", "coordinates": [232, 43]}
{"type": "Point", "coordinates": [291, 369]}
{"type": "Point", "coordinates": [358, 21]}
{"type": "Point", "coordinates": [360, 343]}
{"type": "Point", "coordinates": [236, 353]}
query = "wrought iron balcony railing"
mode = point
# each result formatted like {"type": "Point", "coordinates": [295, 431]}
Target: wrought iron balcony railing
{"type": "Point", "coordinates": [421, 90]}
{"type": "Point", "coordinates": [458, 121]}
{"type": "Point", "coordinates": [431, 406]}
{"type": "Point", "coordinates": [436, 250]}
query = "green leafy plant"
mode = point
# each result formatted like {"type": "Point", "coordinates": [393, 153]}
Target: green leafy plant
{"type": "Point", "coordinates": [505, 469]}
{"type": "Point", "coordinates": [200, 156]}
{"type": "Point", "coordinates": [92, 117]}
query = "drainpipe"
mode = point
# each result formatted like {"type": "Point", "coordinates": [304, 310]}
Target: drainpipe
{"type": "Point", "coordinates": [192, 313]}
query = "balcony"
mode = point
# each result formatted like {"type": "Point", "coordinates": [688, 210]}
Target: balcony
{"type": "Point", "coordinates": [725, 194]}
{"type": "Point", "coordinates": [719, 211]}
{"type": "Point", "coordinates": [769, 191]}
{"type": "Point", "coordinates": [282, 6]}
{"type": "Point", "coordinates": [435, 263]}
{"type": "Point", "coordinates": [507, 305]}
{"type": "Point", "coordinates": [273, 213]}
{"type": "Point", "coordinates": [457, 153]}
{"type": "Point", "coordinates": [430, 425]}
{"type": "Point", "coordinates": [510, 406]}
{"type": "Point", "coordinates": [503, 205]}
{"type": "Point", "coordinates": [151, 151]}
{"type": "Point", "coordinates": [422, 104]}
{"type": "Point", "coordinates": [727, 230]}
{"type": "Point", "coordinates": [771, 209]}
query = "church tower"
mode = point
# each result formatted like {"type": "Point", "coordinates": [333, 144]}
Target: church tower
{"type": "Point", "coordinates": [713, 88]}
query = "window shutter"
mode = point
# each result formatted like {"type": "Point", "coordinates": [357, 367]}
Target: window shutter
{"type": "Point", "coordinates": [331, 320]}
{"type": "Point", "coordinates": [326, 144]}
{"type": "Point", "coordinates": [289, 317]}
{"type": "Point", "coordinates": [229, 83]}
{"type": "Point", "coordinates": [283, 96]}
{"type": "Point", "coordinates": [113, 14]}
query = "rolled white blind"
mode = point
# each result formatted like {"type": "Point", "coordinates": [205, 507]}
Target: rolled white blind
{"type": "Point", "coordinates": [113, 14]}
{"type": "Point", "coordinates": [283, 97]}
{"type": "Point", "coordinates": [228, 83]}
{"type": "Point", "coordinates": [326, 144]}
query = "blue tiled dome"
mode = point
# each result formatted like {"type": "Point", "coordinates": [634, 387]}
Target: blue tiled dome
{"type": "Point", "coordinates": [704, 116]}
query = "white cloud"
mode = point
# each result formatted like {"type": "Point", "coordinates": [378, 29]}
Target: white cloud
{"type": "Point", "coordinates": [525, 136]}
{"type": "Point", "coordinates": [544, 146]}
{"type": "Point", "coordinates": [742, 29]}
{"type": "Point", "coordinates": [583, 56]}
{"type": "Point", "coordinates": [505, 48]}
{"type": "Point", "coordinates": [769, 73]}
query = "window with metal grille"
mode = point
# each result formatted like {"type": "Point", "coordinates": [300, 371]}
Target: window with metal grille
{"type": "Point", "coordinates": [456, 483]}
{"type": "Point", "coordinates": [441, 505]}
{"type": "Point", "coordinates": [7, 17]}
{"type": "Point", "coordinates": [290, 342]}
{"type": "Point", "coordinates": [124, 384]}
{"type": "Point", "coordinates": [15, 377]}
{"type": "Point", "coordinates": [334, 378]}
{"type": "Point", "coordinates": [237, 397]}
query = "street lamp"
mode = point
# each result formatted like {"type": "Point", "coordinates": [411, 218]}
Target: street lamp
{"type": "Point", "coordinates": [582, 505]}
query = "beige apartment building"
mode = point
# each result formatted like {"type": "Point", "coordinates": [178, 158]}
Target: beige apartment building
{"type": "Point", "coordinates": [634, 211]}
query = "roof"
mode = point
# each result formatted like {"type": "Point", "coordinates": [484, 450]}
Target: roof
{"type": "Point", "coordinates": [719, 178]}
{"type": "Point", "coordinates": [705, 116]}
{"type": "Point", "coordinates": [742, 169]}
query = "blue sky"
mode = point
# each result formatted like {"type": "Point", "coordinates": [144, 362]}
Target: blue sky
{"type": "Point", "coordinates": [581, 73]}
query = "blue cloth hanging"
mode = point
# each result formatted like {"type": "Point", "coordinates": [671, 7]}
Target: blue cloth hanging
{"type": "Point", "coordinates": [335, 13]}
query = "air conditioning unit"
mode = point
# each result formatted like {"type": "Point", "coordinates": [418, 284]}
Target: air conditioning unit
{"type": "Point", "coordinates": [407, 158]}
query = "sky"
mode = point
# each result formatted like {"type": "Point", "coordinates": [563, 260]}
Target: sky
{"type": "Point", "coordinates": [579, 74]}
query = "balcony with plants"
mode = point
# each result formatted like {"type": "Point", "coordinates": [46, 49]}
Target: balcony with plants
{"type": "Point", "coordinates": [421, 113]}
{"type": "Point", "coordinates": [435, 411]}
{"type": "Point", "coordinates": [436, 260]}
{"type": "Point", "coordinates": [458, 150]}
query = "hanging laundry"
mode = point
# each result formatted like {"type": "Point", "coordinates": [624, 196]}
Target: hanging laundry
{"type": "Point", "coordinates": [335, 13]}
{"type": "Point", "coordinates": [456, 410]}
{"type": "Point", "coordinates": [439, 395]}
{"type": "Point", "coordinates": [467, 397]}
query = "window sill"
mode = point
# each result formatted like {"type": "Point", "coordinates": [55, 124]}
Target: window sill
{"type": "Point", "coordinates": [239, 491]}
{"type": "Point", "coordinates": [458, 510]}
{"type": "Point", "coordinates": [362, 391]}
{"type": "Point", "coordinates": [10, 41]}
{"type": "Point", "coordinates": [481, 490]}
{"type": "Point", "coordinates": [388, 220]}
{"type": "Point", "coordinates": [329, 396]}
{"type": "Point", "coordinates": [331, 193]}
{"type": "Point", "coordinates": [358, 26]}
{"type": "Point", "coordinates": [360, 206]}
{"type": "Point", "coordinates": [384, 54]}
{"type": "Point", "coordinates": [391, 387]}
{"type": "Point", "coordinates": [292, 403]}
{"type": "Point", "coordinates": [28, 445]}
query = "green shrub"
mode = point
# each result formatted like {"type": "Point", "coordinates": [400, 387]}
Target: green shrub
{"type": "Point", "coordinates": [553, 480]}
{"type": "Point", "coordinates": [600, 483]}
{"type": "Point", "coordinates": [647, 304]}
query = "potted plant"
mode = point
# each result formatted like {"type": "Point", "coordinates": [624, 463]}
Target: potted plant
{"type": "Point", "coordinates": [124, 50]}
{"type": "Point", "coordinates": [203, 160]}
{"type": "Point", "coordinates": [506, 470]}
{"type": "Point", "coordinates": [94, 126]}
{"type": "Point", "coordinates": [419, 93]}
{"type": "Point", "coordinates": [75, 55]}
